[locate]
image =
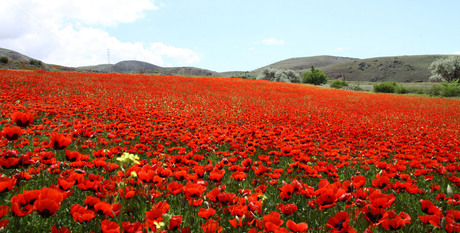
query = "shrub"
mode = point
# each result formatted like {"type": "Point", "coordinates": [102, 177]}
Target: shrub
{"type": "Point", "coordinates": [35, 62]}
{"type": "Point", "coordinates": [435, 90]}
{"type": "Point", "coordinates": [416, 90]}
{"type": "Point", "coordinates": [315, 77]}
{"type": "Point", "coordinates": [339, 84]}
{"type": "Point", "coordinates": [445, 90]}
{"type": "Point", "coordinates": [389, 87]}
{"type": "Point", "coordinates": [450, 90]}
{"type": "Point", "coordinates": [401, 90]}
{"type": "Point", "coordinates": [4, 60]}
{"type": "Point", "coordinates": [287, 76]}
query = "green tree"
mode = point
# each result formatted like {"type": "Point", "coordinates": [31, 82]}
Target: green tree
{"type": "Point", "coordinates": [315, 77]}
{"type": "Point", "coordinates": [446, 69]}
{"type": "Point", "coordinates": [4, 59]}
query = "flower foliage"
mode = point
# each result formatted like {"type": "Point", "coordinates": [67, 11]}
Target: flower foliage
{"type": "Point", "coordinates": [136, 153]}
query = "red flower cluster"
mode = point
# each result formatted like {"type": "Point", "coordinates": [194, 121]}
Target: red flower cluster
{"type": "Point", "coordinates": [161, 153]}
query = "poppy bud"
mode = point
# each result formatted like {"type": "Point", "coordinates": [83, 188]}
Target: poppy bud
{"type": "Point", "coordinates": [450, 192]}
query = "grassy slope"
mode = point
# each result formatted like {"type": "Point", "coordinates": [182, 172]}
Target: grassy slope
{"type": "Point", "coordinates": [301, 63]}
{"type": "Point", "coordinates": [379, 69]}
{"type": "Point", "coordinates": [297, 64]}
{"type": "Point", "coordinates": [399, 69]}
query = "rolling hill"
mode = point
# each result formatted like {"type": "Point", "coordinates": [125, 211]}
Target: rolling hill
{"type": "Point", "coordinates": [379, 69]}
{"type": "Point", "coordinates": [139, 67]}
{"type": "Point", "coordinates": [304, 63]}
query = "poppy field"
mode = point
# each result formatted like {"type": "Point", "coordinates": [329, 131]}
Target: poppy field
{"type": "Point", "coordinates": [138, 153]}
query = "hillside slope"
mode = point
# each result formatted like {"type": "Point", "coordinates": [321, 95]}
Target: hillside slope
{"type": "Point", "coordinates": [379, 69]}
{"type": "Point", "coordinates": [302, 63]}
{"type": "Point", "coordinates": [13, 55]}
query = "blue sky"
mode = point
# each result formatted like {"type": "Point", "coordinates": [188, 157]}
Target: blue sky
{"type": "Point", "coordinates": [225, 35]}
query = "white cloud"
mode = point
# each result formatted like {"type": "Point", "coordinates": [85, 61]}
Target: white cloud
{"type": "Point", "coordinates": [272, 41]}
{"type": "Point", "coordinates": [72, 32]}
{"type": "Point", "coordinates": [90, 12]}
{"type": "Point", "coordinates": [338, 49]}
{"type": "Point", "coordinates": [181, 55]}
{"type": "Point", "coordinates": [457, 53]}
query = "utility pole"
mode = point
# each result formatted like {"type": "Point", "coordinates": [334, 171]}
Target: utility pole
{"type": "Point", "coordinates": [108, 60]}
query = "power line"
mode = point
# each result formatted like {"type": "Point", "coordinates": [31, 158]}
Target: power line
{"type": "Point", "coordinates": [37, 22]}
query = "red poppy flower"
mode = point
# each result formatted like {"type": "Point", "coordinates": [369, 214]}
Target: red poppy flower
{"type": "Point", "coordinates": [226, 198]}
{"type": "Point", "coordinates": [180, 175]}
{"type": "Point", "coordinates": [146, 175]}
{"type": "Point", "coordinates": [64, 184]}
{"type": "Point", "coordinates": [211, 226]}
{"type": "Point", "coordinates": [72, 156]}
{"type": "Point", "coordinates": [327, 199]}
{"type": "Point", "coordinates": [454, 200]}
{"type": "Point", "coordinates": [339, 223]}
{"type": "Point", "coordinates": [287, 209]}
{"type": "Point", "coordinates": [429, 208]}
{"type": "Point", "coordinates": [49, 201]}
{"type": "Point", "coordinates": [22, 204]}
{"type": "Point", "coordinates": [391, 221]}
{"type": "Point", "coordinates": [4, 223]}
{"type": "Point", "coordinates": [216, 175]}
{"type": "Point", "coordinates": [175, 222]}
{"type": "Point", "coordinates": [297, 227]}
{"type": "Point", "coordinates": [239, 209]}
{"type": "Point", "coordinates": [239, 176]}
{"type": "Point", "coordinates": [452, 221]}
{"type": "Point", "coordinates": [381, 181]}
{"type": "Point", "coordinates": [107, 209]}
{"type": "Point", "coordinates": [453, 214]}
{"type": "Point", "coordinates": [286, 191]}
{"type": "Point", "coordinates": [12, 133]}
{"type": "Point", "coordinates": [206, 213]}
{"type": "Point", "coordinates": [59, 141]}
{"type": "Point", "coordinates": [193, 190]}
{"type": "Point", "coordinates": [236, 222]}
{"type": "Point", "coordinates": [272, 222]}
{"type": "Point", "coordinates": [91, 201]}
{"type": "Point", "coordinates": [373, 214]}
{"type": "Point", "coordinates": [358, 181]}
{"type": "Point", "coordinates": [434, 220]}
{"type": "Point", "coordinates": [3, 210]}
{"type": "Point", "coordinates": [55, 229]}
{"type": "Point", "coordinates": [22, 119]}
{"type": "Point", "coordinates": [156, 213]}
{"type": "Point", "coordinates": [6, 184]}
{"type": "Point", "coordinates": [440, 197]}
{"type": "Point", "coordinates": [380, 200]}
{"type": "Point", "coordinates": [195, 202]}
{"type": "Point", "coordinates": [109, 227]}
{"type": "Point", "coordinates": [175, 188]}
{"type": "Point", "coordinates": [81, 214]}
{"type": "Point", "coordinates": [134, 227]}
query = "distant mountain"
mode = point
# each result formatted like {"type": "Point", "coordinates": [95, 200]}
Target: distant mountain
{"type": "Point", "coordinates": [123, 67]}
{"type": "Point", "coordinates": [139, 67]}
{"type": "Point", "coordinates": [379, 69]}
